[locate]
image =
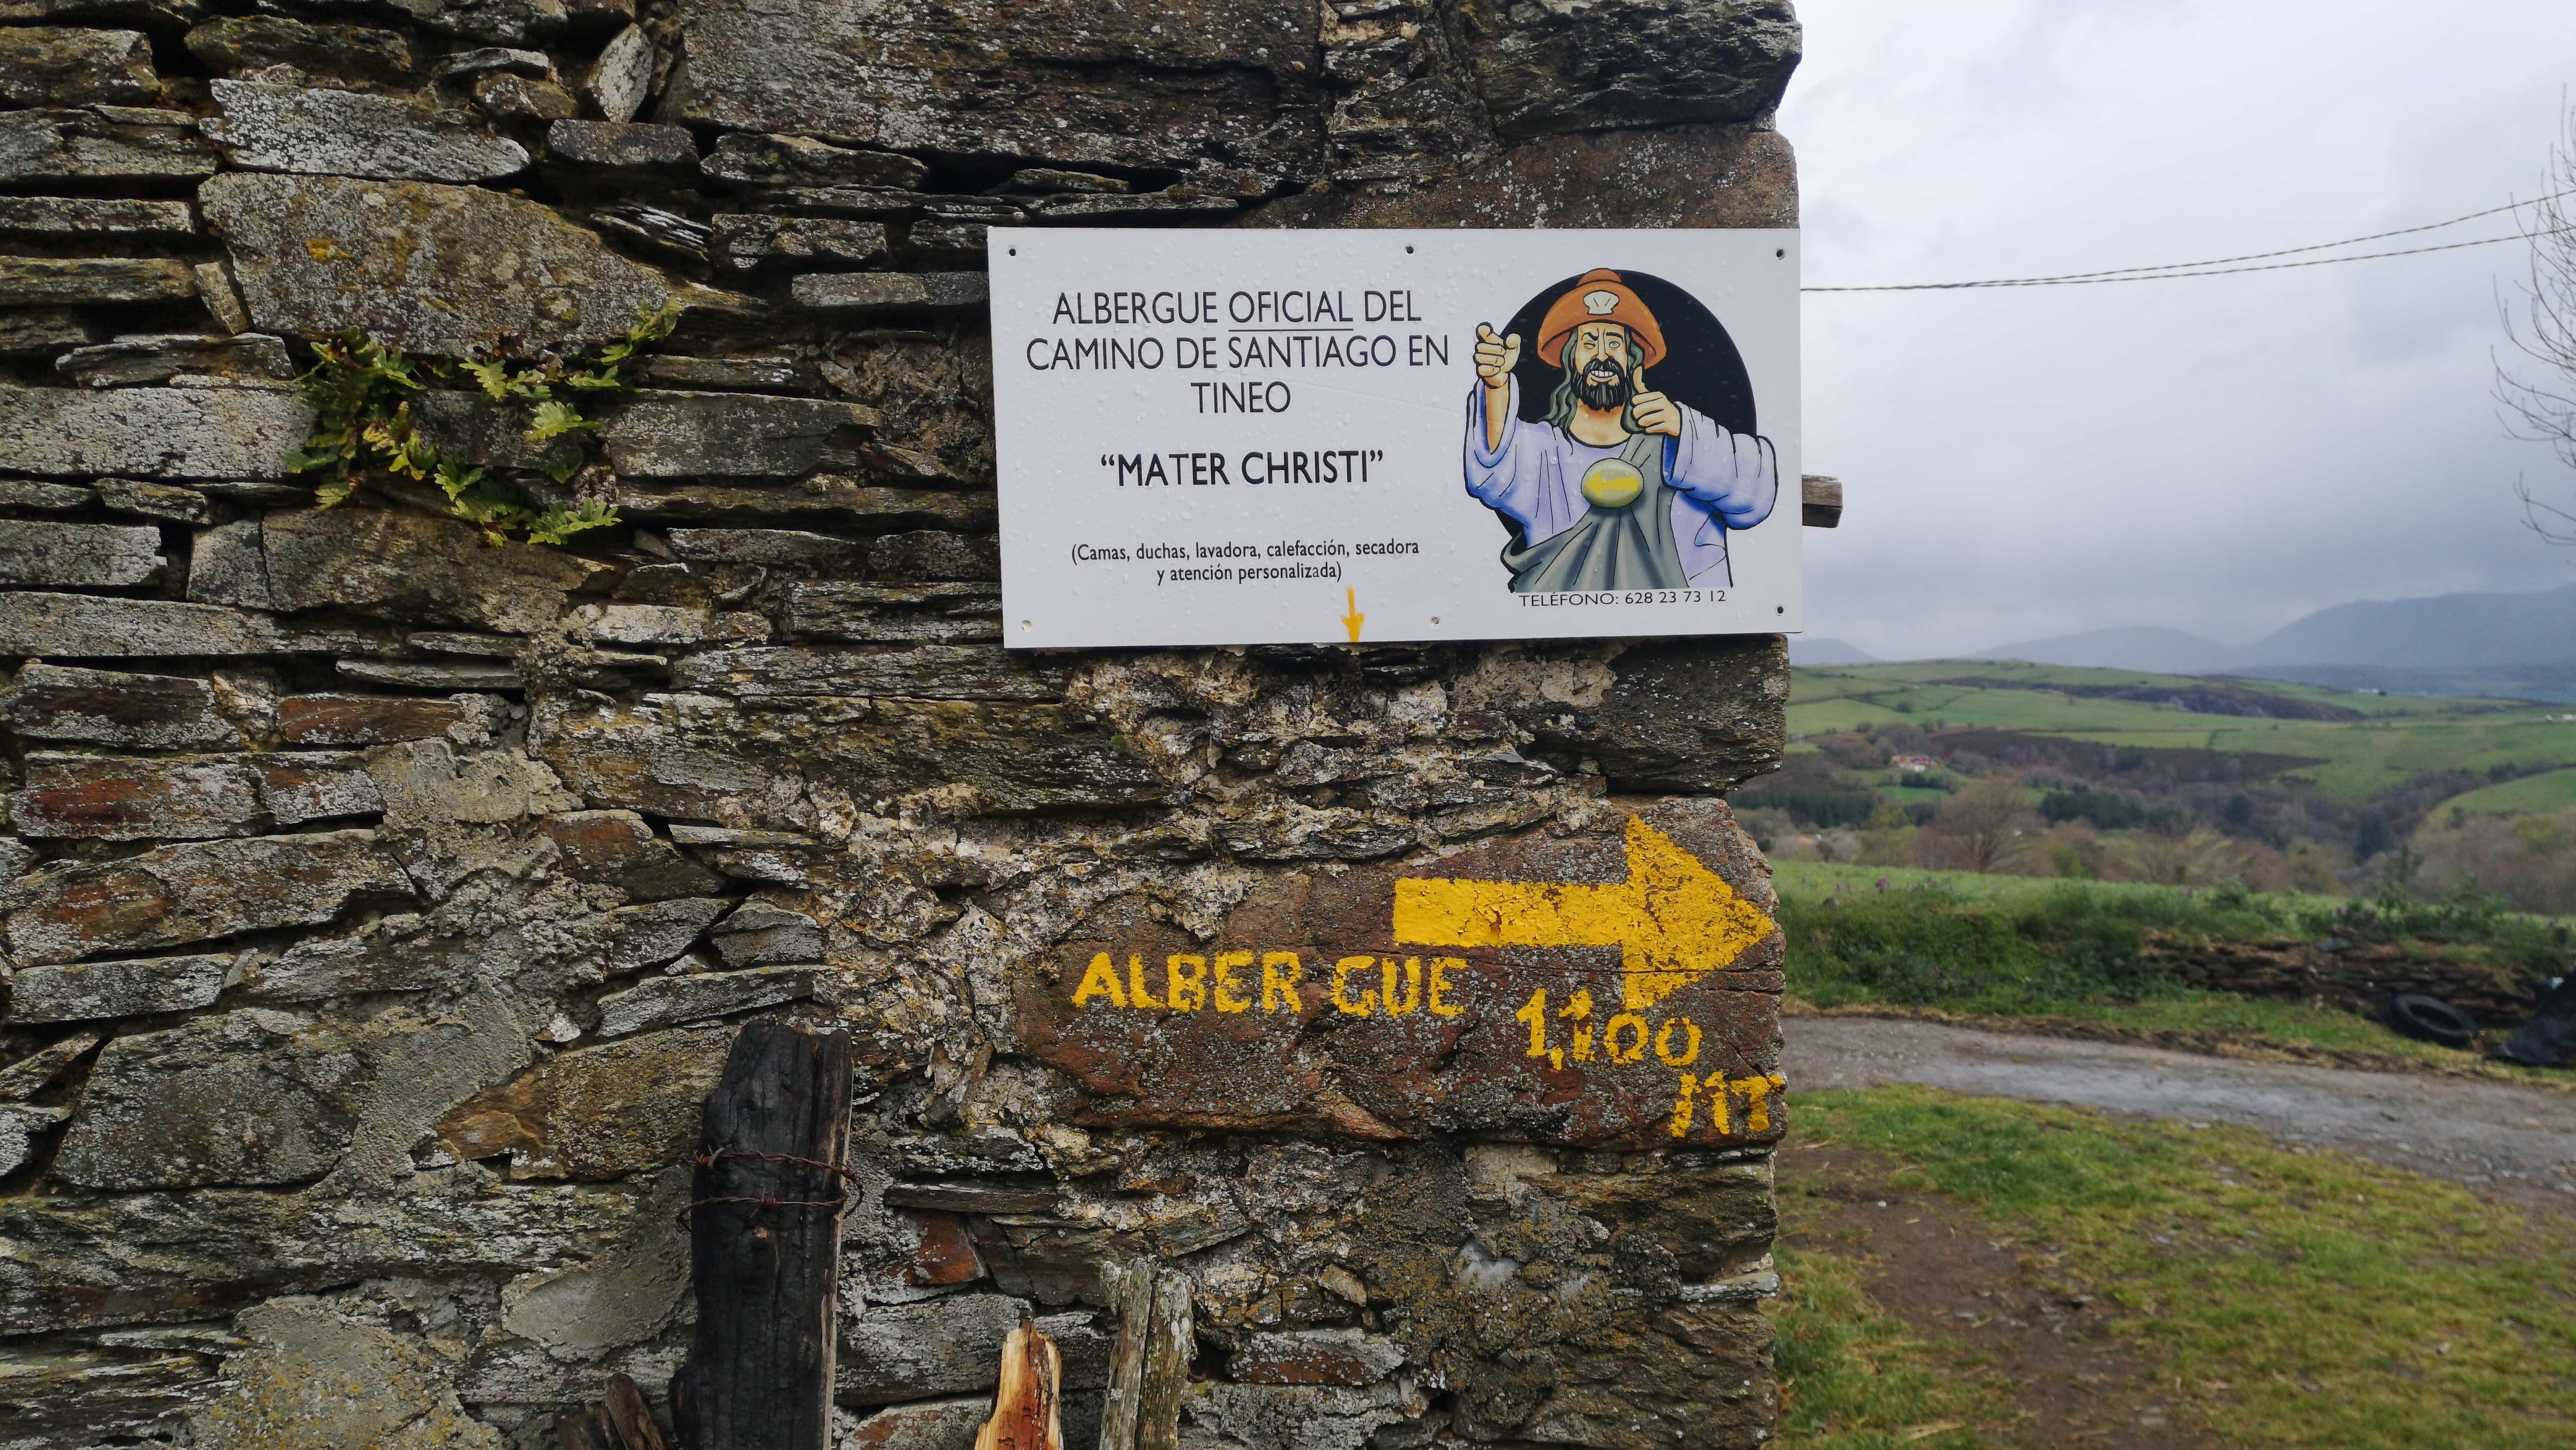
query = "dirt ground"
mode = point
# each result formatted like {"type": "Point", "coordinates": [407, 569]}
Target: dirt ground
{"type": "Point", "coordinates": [1990, 1303]}
{"type": "Point", "coordinates": [2514, 1143]}
{"type": "Point", "coordinates": [1995, 1304]}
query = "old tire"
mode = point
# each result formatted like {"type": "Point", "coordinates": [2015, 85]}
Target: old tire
{"type": "Point", "coordinates": [2430, 1019]}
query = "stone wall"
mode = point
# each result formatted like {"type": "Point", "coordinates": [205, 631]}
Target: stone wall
{"type": "Point", "coordinates": [377, 904]}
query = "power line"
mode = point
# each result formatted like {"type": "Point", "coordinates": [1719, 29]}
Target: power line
{"type": "Point", "coordinates": [2216, 266]}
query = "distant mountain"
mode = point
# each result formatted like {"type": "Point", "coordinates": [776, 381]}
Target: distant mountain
{"type": "Point", "coordinates": [2555, 684]}
{"type": "Point", "coordinates": [1805, 651]}
{"type": "Point", "coordinates": [2448, 632]}
{"type": "Point", "coordinates": [2134, 647]}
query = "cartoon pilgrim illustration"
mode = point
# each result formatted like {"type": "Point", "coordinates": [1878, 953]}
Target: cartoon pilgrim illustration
{"type": "Point", "coordinates": [1616, 486]}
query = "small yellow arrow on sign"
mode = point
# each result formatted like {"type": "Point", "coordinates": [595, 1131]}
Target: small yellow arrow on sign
{"type": "Point", "coordinates": [1674, 920]}
{"type": "Point", "coordinates": [1352, 619]}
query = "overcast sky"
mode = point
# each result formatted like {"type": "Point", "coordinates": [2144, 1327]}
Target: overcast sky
{"type": "Point", "coordinates": [2222, 454]}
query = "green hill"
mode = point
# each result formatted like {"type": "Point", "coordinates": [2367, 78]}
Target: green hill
{"type": "Point", "coordinates": [2348, 744]}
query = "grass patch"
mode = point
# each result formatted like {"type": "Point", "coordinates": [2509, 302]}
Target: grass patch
{"type": "Point", "coordinates": [2534, 794]}
{"type": "Point", "coordinates": [2289, 1298]}
{"type": "Point", "coordinates": [1854, 1378]}
{"type": "Point", "coordinates": [2035, 945]}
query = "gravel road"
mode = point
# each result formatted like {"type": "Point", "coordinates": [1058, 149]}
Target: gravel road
{"type": "Point", "coordinates": [2515, 1139]}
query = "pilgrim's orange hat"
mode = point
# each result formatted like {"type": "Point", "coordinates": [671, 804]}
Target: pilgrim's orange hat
{"type": "Point", "coordinates": [1599, 295]}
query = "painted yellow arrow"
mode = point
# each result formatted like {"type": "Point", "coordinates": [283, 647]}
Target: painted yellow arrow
{"type": "Point", "coordinates": [1354, 619]}
{"type": "Point", "coordinates": [1674, 920]}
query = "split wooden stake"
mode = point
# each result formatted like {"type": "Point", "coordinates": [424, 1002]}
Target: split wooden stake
{"type": "Point", "coordinates": [1151, 1363]}
{"type": "Point", "coordinates": [1024, 1403]}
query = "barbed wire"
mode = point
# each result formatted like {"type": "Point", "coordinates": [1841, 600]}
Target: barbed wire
{"type": "Point", "coordinates": [2223, 266]}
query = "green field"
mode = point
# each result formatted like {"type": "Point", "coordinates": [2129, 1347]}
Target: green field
{"type": "Point", "coordinates": [2394, 739]}
{"type": "Point", "coordinates": [2555, 791]}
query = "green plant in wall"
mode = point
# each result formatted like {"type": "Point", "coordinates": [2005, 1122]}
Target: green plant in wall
{"type": "Point", "coordinates": [361, 392]}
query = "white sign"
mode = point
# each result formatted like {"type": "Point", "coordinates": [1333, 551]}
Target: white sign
{"type": "Point", "coordinates": [1269, 437]}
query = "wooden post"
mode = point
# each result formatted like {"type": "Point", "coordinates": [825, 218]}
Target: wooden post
{"type": "Point", "coordinates": [1151, 1362]}
{"type": "Point", "coordinates": [623, 1423]}
{"type": "Point", "coordinates": [1024, 1402]}
{"type": "Point", "coordinates": [1820, 501]}
{"type": "Point", "coordinates": [765, 1245]}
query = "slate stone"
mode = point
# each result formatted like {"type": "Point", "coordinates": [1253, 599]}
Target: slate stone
{"type": "Point", "coordinates": [156, 433]}
{"type": "Point", "coordinates": [296, 788]}
{"type": "Point", "coordinates": [595, 1112]}
{"type": "Point", "coordinates": [380, 719]}
{"type": "Point", "coordinates": [292, 1390]}
{"type": "Point", "coordinates": [699, 758]}
{"type": "Point", "coordinates": [741, 242]}
{"type": "Point", "coordinates": [927, 672]}
{"type": "Point", "coordinates": [1058, 81]}
{"type": "Point", "coordinates": [653, 934]}
{"type": "Point", "coordinates": [50, 555]}
{"type": "Point", "coordinates": [947, 243]}
{"type": "Point", "coordinates": [1685, 177]}
{"type": "Point", "coordinates": [510, 97]}
{"type": "Point", "coordinates": [617, 848]}
{"type": "Point", "coordinates": [102, 143]}
{"type": "Point", "coordinates": [745, 374]}
{"type": "Point", "coordinates": [77, 626]}
{"type": "Point", "coordinates": [763, 934]}
{"type": "Point", "coordinates": [441, 270]}
{"type": "Point", "coordinates": [20, 1126]}
{"type": "Point", "coordinates": [492, 59]}
{"type": "Point", "coordinates": [929, 554]}
{"type": "Point", "coordinates": [751, 160]}
{"type": "Point", "coordinates": [435, 675]}
{"type": "Point", "coordinates": [622, 77]}
{"type": "Point", "coordinates": [949, 1424]}
{"type": "Point", "coordinates": [1044, 179]}
{"type": "Point", "coordinates": [32, 1074]}
{"type": "Point", "coordinates": [155, 500]}
{"type": "Point", "coordinates": [158, 357]}
{"type": "Point", "coordinates": [884, 204]}
{"type": "Point", "coordinates": [469, 428]}
{"type": "Point", "coordinates": [661, 232]}
{"type": "Point", "coordinates": [109, 799]}
{"type": "Point", "coordinates": [45, 66]}
{"type": "Point", "coordinates": [215, 289]}
{"type": "Point", "coordinates": [644, 623]}
{"type": "Point", "coordinates": [623, 145]}
{"type": "Point", "coordinates": [737, 435]}
{"type": "Point", "coordinates": [892, 292]}
{"type": "Point", "coordinates": [88, 217]}
{"type": "Point", "coordinates": [246, 1098]}
{"type": "Point", "coordinates": [501, 22]}
{"type": "Point", "coordinates": [196, 892]}
{"type": "Point", "coordinates": [347, 133]}
{"type": "Point", "coordinates": [413, 566]}
{"type": "Point", "coordinates": [138, 14]}
{"type": "Point", "coordinates": [331, 52]}
{"type": "Point", "coordinates": [1301, 1417]}
{"type": "Point", "coordinates": [825, 498]}
{"type": "Point", "coordinates": [31, 495]}
{"type": "Point", "coordinates": [38, 331]}
{"type": "Point", "coordinates": [1083, 211]}
{"type": "Point", "coordinates": [1314, 1357]}
{"type": "Point", "coordinates": [893, 613]}
{"type": "Point", "coordinates": [672, 1001]}
{"type": "Point", "coordinates": [1628, 63]}
{"type": "Point", "coordinates": [901, 1352]}
{"type": "Point", "coordinates": [105, 707]}
{"type": "Point", "coordinates": [772, 548]}
{"type": "Point", "coordinates": [93, 281]}
{"type": "Point", "coordinates": [94, 990]}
